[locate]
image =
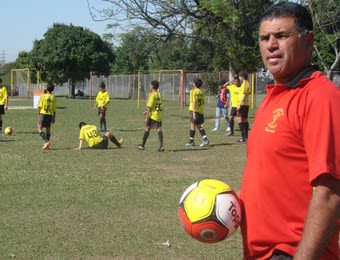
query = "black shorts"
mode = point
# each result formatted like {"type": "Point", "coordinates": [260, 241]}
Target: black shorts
{"type": "Point", "coordinates": [103, 144]}
{"type": "Point", "coordinates": [153, 124]}
{"type": "Point", "coordinates": [198, 119]}
{"type": "Point", "coordinates": [243, 112]}
{"type": "Point", "coordinates": [2, 109]}
{"type": "Point", "coordinates": [102, 111]}
{"type": "Point", "coordinates": [233, 112]}
{"type": "Point", "coordinates": [45, 120]}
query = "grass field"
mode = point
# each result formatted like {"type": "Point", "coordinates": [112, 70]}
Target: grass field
{"type": "Point", "coordinates": [107, 204]}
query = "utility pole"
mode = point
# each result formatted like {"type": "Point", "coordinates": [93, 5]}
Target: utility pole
{"type": "Point", "coordinates": [2, 57]}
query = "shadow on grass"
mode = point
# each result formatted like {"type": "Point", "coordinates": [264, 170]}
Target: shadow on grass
{"type": "Point", "coordinates": [191, 149]}
{"type": "Point", "coordinates": [222, 144]}
{"type": "Point", "coordinates": [27, 132]}
{"type": "Point", "coordinates": [5, 141]}
{"type": "Point", "coordinates": [129, 130]}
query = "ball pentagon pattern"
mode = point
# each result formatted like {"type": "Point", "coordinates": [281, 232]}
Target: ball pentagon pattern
{"type": "Point", "coordinates": [209, 210]}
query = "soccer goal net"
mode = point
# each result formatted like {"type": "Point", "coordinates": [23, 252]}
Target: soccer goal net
{"type": "Point", "coordinates": [24, 81]}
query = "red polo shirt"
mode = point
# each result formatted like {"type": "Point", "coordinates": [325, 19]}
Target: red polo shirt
{"type": "Point", "coordinates": [294, 139]}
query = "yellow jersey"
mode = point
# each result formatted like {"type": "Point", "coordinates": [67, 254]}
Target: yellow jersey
{"type": "Point", "coordinates": [47, 104]}
{"type": "Point", "coordinates": [3, 95]}
{"type": "Point", "coordinates": [155, 104]}
{"type": "Point", "coordinates": [102, 98]}
{"type": "Point", "coordinates": [244, 91]}
{"type": "Point", "coordinates": [234, 91]}
{"type": "Point", "coordinates": [196, 100]}
{"type": "Point", "coordinates": [90, 134]}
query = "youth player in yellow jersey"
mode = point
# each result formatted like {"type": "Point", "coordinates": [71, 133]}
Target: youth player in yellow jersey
{"type": "Point", "coordinates": [90, 135]}
{"type": "Point", "coordinates": [197, 113]}
{"type": "Point", "coordinates": [47, 108]}
{"type": "Point", "coordinates": [153, 116]}
{"type": "Point", "coordinates": [234, 89]}
{"type": "Point", "coordinates": [3, 102]}
{"type": "Point", "coordinates": [102, 102]}
{"type": "Point", "coordinates": [243, 106]}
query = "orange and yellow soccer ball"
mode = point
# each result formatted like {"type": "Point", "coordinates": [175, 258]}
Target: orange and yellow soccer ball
{"type": "Point", "coordinates": [209, 210]}
{"type": "Point", "coordinates": [9, 130]}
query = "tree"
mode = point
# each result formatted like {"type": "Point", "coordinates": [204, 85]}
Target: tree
{"type": "Point", "coordinates": [70, 52]}
{"type": "Point", "coordinates": [134, 51]}
{"type": "Point", "coordinates": [326, 18]}
{"type": "Point", "coordinates": [221, 32]}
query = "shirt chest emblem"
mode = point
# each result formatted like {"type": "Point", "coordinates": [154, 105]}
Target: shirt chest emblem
{"type": "Point", "coordinates": [272, 126]}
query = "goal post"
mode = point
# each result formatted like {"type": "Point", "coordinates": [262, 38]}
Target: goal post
{"type": "Point", "coordinates": [21, 82]}
{"type": "Point", "coordinates": [172, 85]}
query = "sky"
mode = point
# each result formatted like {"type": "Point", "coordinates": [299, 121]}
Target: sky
{"type": "Point", "coordinates": [24, 21]}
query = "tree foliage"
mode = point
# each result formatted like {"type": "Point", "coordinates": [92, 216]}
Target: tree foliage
{"type": "Point", "coordinates": [326, 18]}
{"type": "Point", "coordinates": [70, 52]}
{"type": "Point", "coordinates": [134, 50]}
{"type": "Point", "coordinates": [216, 33]}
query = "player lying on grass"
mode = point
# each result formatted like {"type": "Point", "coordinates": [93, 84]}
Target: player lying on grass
{"type": "Point", "coordinates": [90, 134]}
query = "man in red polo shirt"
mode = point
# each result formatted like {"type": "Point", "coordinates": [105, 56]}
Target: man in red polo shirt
{"type": "Point", "coordinates": [291, 185]}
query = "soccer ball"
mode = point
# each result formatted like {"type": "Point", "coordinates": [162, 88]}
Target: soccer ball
{"type": "Point", "coordinates": [9, 130]}
{"type": "Point", "coordinates": [209, 210]}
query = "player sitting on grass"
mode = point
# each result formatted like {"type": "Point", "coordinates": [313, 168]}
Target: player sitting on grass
{"type": "Point", "coordinates": [90, 134]}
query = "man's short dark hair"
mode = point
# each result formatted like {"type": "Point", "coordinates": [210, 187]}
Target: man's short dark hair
{"type": "Point", "coordinates": [50, 88]}
{"type": "Point", "coordinates": [155, 84]}
{"type": "Point", "coordinates": [303, 19]}
{"type": "Point", "coordinates": [81, 124]}
{"type": "Point", "coordinates": [102, 85]}
{"type": "Point", "coordinates": [198, 82]}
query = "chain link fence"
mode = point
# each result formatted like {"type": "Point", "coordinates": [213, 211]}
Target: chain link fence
{"type": "Point", "coordinates": [174, 85]}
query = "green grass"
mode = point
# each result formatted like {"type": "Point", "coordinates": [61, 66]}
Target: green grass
{"type": "Point", "coordinates": [107, 204]}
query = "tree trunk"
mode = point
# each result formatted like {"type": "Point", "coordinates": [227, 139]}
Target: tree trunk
{"type": "Point", "coordinates": [72, 89]}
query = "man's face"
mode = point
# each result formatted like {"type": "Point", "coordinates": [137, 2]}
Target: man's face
{"type": "Point", "coordinates": [285, 51]}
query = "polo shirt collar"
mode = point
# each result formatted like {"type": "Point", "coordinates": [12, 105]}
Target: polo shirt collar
{"type": "Point", "coordinates": [304, 74]}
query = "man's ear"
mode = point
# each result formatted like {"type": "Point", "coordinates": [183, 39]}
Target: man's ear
{"type": "Point", "coordinates": [310, 38]}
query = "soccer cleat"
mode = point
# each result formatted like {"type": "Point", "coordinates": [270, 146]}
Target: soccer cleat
{"type": "Point", "coordinates": [215, 129]}
{"type": "Point", "coordinates": [161, 149]}
{"type": "Point", "coordinates": [204, 143]}
{"type": "Point", "coordinates": [121, 141]}
{"type": "Point", "coordinates": [190, 143]}
{"type": "Point", "coordinates": [140, 147]}
{"type": "Point", "coordinates": [229, 133]}
{"type": "Point", "coordinates": [47, 145]}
